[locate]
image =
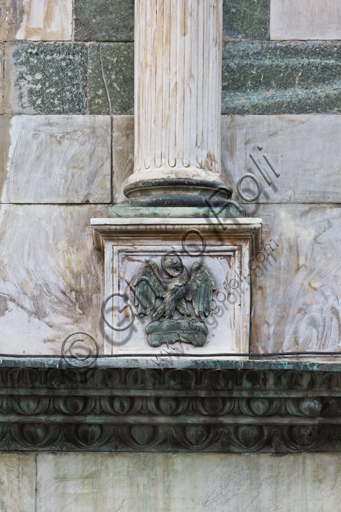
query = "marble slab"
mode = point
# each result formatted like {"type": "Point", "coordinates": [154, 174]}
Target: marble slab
{"type": "Point", "coordinates": [123, 154]}
{"type": "Point", "coordinates": [51, 277]}
{"type": "Point", "coordinates": [2, 106]}
{"type": "Point", "coordinates": [188, 483]}
{"type": "Point", "coordinates": [243, 19]}
{"type": "Point", "coordinates": [56, 159]}
{"type": "Point", "coordinates": [46, 78]}
{"type": "Point", "coordinates": [268, 77]}
{"type": "Point", "coordinates": [302, 149]}
{"type": "Point", "coordinates": [305, 19]}
{"type": "Point", "coordinates": [297, 287]}
{"type": "Point", "coordinates": [36, 20]}
{"type": "Point", "coordinates": [17, 482]}
{"type": "Point", "coordinates": [104, 21]}
{"type": "Point", "coordinates": [111, 78]}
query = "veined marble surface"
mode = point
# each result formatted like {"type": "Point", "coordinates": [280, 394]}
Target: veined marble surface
{"type": "Point", "coordinates": [143, 482]}
{"type": "Point", "coordinates": [297, 290]}
{"type": "Point", "coordinates": [36, 20]}
{"type": "Point", "coordinates": [56, 159]}
{"type": "Point", "coordinates": [305, 19]}
{"type": "Point", "coordinates": [50, 277]}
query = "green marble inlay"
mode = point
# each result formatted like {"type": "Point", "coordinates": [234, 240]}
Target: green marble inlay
{"type": "Point", "coordinates": [281, 78]}
{"type": "Point", "coordinates": [246, 19]}
{"type": "Point", "coordinates": [101, 20]}
{"type": "Point", "coordinates": [104, 20]}
{"type": "Point", "coordinates": [48, 78]}
{"type": "Point", "coordinates": [111, 73]}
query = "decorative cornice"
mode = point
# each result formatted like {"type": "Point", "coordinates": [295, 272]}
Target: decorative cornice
{"type": "Point", "coordinates": [208, 410]}
{"type": "Point", "coordinates": [104, 229]}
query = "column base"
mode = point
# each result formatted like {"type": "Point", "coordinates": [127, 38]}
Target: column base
{"type": "Point", "coordinates": [177, 198]}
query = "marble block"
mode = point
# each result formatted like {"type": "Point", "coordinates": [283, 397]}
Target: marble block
{"type": "Point", "coordinates": [302, 149]}
{"type": "Point", "coordinates": [305, 19]}
{"type": "Point", "coordinates": [56, 159]}
{"type": "Point", "coordinates": [50, 277]}
{"type": "Point", "coordinates": [122, 154]}
{"type": "Point", "coordinates": [193, 482]}
{"type": "Point", "coordinates": [36, 20]}
{"type": "Point", "coordinates": [146, 259]}
{"type": "Point", "coordinates": [17, 482]}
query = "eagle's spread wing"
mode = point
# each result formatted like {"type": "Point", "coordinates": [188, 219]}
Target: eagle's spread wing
{"type": "Point", "coordinates": [200, 290]}
{"type": "Point", "coordinates": [148, 286]}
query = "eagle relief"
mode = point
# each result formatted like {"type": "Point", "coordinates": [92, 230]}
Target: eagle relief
{"type": "Point", "coordinates": [172, 321]}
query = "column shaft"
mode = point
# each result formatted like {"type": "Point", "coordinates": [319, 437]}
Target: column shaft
{"type": "Point", "coordinates": [178, 55]}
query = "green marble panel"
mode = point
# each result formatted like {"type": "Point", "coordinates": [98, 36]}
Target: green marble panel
{"type": "Point", "coordinates": [46, 78]}
{"type": "Point", "coordinates": [111, 78]}
{"type": "Point", "coordinates": [246, 19]}
{"type": "Point", "coordinates": [101, 20]}
{"type": "Point", "coordinates": [281, 78]}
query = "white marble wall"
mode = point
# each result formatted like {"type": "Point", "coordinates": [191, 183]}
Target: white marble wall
{"type": "Point", "coordinates": [37, 20]}
{"type": "Point", "coordinates": [56, 159]}
{"type": "Point", "coordinates": [169, 483]}
{"type": "Point", "coordinates": [305, 19]}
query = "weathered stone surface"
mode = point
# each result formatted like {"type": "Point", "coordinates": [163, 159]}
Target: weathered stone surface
{"type": "Point", "coordinates": [1, 78]}
{"type": "Point", "coordinates": [296, 289]}
{"type": "Point", "coordinates": [56, 159]}
{"type": "Point", "coordinates": [193, 482]}
{"type": "Point", "coordinates": [302, 149]}
{"type": "Point", "coordinates": [46, 78]}
{"type": "Point", "coordinates": [123, 154]}
{"type": "Point", "coordinates": [50, 277]}
{"type": "Point", "coordinates": [246, 19]}
{"type": "Point", "coordinates": [104, 21]}
{"type": "Point", "coordinates": [111, 78]}
{"type": "Point", "coordinates": [17, 482]}
{"type": "Point", "coordinates": [306, 19]}
{"type": "Point", "coordinates": [275, 78]}
{"type": "Point", "coordinates": [11, 15]}
{"type": "Point", "coordinates": [4, 145]}
{"type": "Point", "coordinates": [36, 20]}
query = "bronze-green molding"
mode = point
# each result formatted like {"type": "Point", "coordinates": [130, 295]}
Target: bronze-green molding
{"type": "Point", "coordinates": [222, 407]}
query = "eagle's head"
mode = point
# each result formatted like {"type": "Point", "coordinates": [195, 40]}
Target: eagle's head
{"type": "Point", "coordinates": [173, 265]}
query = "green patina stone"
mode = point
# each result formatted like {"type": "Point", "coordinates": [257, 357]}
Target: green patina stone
{"type": "Point", "coordinates": [246, 19]}
{"type": "Point", "coordinates": [111, 73]}
{"type": "Point", "coordinates": [48, 78]}
{"type": "Point", "coordinates": [104, 21]}
{"type": "Point", "coordinates": [281, 78]}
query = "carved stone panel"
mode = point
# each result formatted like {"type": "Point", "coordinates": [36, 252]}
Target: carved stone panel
{"type": "Point", "coordinates": [166, 284]}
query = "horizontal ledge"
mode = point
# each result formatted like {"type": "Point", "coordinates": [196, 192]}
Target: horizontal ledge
{"type": "Point", "coordinates": [113, 222]}
{"type": "Point", "coordinates": [145, 363]}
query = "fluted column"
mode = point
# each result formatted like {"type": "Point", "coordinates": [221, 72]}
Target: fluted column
{"type": "Point", "coordinates": [178, 55]}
